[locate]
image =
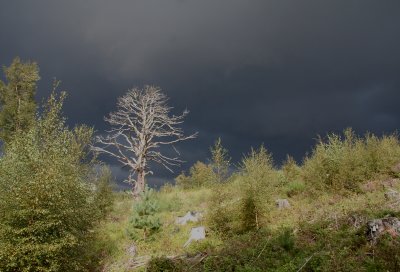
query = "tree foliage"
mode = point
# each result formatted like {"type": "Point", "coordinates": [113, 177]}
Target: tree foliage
{"type": "Point", "coordinates": [145, 218]}
{"type": "Point", "coordinates": [17, 98]}
{"type": "Point", "coordinates": [258, 178]}
{"type": "Point", "coordinates": [239, 206]}
{"type": "Point", "coordinates": [104, 196]}
{"type": "Point", "coordinates": [343, 162]}
{"type": "Point", "coordinates": [220, 161]}
{"type": "Point", "coordinates": [290, 169]}
{"type": "Point", "coordinates": [200, 174]}
{"type": "Point", "coordinates": [47, 206]}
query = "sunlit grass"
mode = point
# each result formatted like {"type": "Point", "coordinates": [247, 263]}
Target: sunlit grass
{"type": "Point", "coordinates": [114, 241]}
{"type": "Point", "coordinates": [169, 241]}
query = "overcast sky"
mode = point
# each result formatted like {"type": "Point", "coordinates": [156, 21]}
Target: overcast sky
{"type": "Point", "coordinates": [277, 72]}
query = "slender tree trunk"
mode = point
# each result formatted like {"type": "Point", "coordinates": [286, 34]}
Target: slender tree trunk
{"type": "Point", "coordinates": [139, 185]}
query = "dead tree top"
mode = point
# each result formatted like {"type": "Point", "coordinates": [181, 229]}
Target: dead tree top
{"type": "Point", "coordinates": [142, 124]}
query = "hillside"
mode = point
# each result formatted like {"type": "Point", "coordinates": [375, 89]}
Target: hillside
{"type": "Point", "coordinates": [329, 225]}
{"type": "Point", "coordinates": [337, 210]}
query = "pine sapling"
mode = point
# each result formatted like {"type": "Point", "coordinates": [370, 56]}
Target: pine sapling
{"type": "Point", "coordinates": [145, 216]}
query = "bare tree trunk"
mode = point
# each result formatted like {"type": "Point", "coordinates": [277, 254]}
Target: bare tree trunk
{"type": "Point", "coordinates": [140, 183]}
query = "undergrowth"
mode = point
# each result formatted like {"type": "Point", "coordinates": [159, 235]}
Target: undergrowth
{"type": "Point", "coordinates": [332, 195]}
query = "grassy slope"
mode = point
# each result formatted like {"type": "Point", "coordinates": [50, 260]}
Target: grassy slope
{"type": "Point", "coordinates": [174, 202]}
{"type": "Point", "coordinates": [115, 241]}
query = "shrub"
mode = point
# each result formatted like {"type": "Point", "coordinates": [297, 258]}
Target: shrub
{"type": "Point", "coordinates": [200, 174]}
{"type": "Point", "coordinates": [294, 188]}
{"type": "Point", "coordinates": [239, 206]}
{"type": "Point", "coordinates": [381, 154]}
{"type": "Point", "coordinates": [343, 162]}
{"type": "Point", "coordinates": [46, 202]}
{"type": "Point", "coordinates": [220, 161]}
{"type": "Point", "coordinates": [104, 196]}
{"type": "Point", "coordinates": [291, 170]}
{"type": "Point", "coordinates": [145, 218]}
{"type": "Point", "coordinates": [286, 240]}
{"type": "Point", "coordinates": [169, 202]}
{"type": "Point", "coordinates": [258, 179]}
{"type": "Point", "coordinates": [387, 254]}
{"type": "Point", "coordinates": [162, 264]}
{"type": "Point", "coordinates": [249, 212]}
{"type": "Point", "coordinates": [167, 188]}
{"type": "Point", "coordinates": [222, 215]}
{"type": "Point", "coordinates": [254, 251]}
{"type": "Point", "coordinates": [318, 246]}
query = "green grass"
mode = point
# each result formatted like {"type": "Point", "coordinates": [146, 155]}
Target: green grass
{"type": "Point", "coordinates": [326, 207]}
{"type": "Point", "coordinates": [114, 240]}
{"type": "Point", "coordinates": [337, 189]}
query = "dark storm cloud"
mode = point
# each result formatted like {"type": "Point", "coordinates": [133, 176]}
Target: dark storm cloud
{"type": "Point", "coordinates": [263, 71]}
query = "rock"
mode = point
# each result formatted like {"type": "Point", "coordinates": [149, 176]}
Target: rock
{"type": "Point", "coordinates": [131, 250]}
{"type": "Point", "coordinates": [189, 217]}
{"type": "Point", "coordinates": [392, 195]}
{"type": "Point", "coordinates": [377, 227]}
{"type": "Point", "coordinates": [282, 204]}
{"type": "Point", "coordinates": [196, 234]}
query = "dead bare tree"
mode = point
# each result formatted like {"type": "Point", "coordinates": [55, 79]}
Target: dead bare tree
{"type": "Point", "coordinates": [141, 125]}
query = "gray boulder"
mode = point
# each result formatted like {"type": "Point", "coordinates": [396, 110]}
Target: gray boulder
{"type": "Point", "coordinates": [131, 250]}
{"type": "Point", "coordinates": [196, 234]}
{"type": "Point", "coordinates": [282, 204]}
{"type": "Point", "coordinates": [189, 217]}
{"type": "Point", "coordinates": [392, 195]}
{"type": "Point", "coordinates": [377, 227]}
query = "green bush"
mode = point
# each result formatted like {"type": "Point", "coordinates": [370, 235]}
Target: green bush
{"type": "Point", "coordinates": [167, 188]}
{"type": "Point", "coordinates": [343, 162]}
{"type": "Point", "coordinates": [238, 206]}
{"type": "Point", "coordinates": [249, 213]}
{"type": "Point", "coordinates": [291, 170]}
{"type": "Point", "coordinates": [387, 254]}
{"type": "Point", "coordinates": [286, 240]}
{"type": "Point", "coordinates": [382, 153]}
{"type": "Point", "coordinates": [294, 188]}
{"type": "Point", "coordinates": [169, 202]}
{"type": "Point", "coordinates": [317, 246]}
{"type": "Point", "coordinates": [145, 218]}
{"type": "Point", "coordinates": [258, 180]}
{"type": "Point", "coordinates": [104, 196]}
{"type": "Point", "coordinates": [255, 251]}
{"type": "Point", "coordinates": [220, 161]}
{"type": "Point", "coordinates": [162, 264]}
{"type": "Point", "coordinates": [222, 215]}
{"type": "Point", "coordinates": [200, 174]}
{"type": "Point", "coordinates": [46, 202]}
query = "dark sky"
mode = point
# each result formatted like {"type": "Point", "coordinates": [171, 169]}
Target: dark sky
{"type": "Point", "coordinates": [277, 72]}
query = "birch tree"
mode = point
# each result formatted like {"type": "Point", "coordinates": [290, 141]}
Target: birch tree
{"type": "Point", "coordinates": [140, 127]}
